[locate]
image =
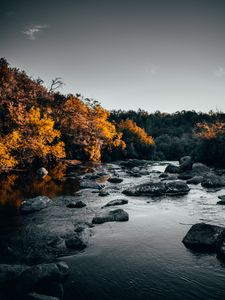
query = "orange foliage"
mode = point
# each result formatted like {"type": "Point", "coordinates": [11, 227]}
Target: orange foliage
{"type": "Point", "coordinates": [210, 131]}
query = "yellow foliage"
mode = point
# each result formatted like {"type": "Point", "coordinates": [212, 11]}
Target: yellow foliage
{"type": "Point", "coordinates": [140, 133]}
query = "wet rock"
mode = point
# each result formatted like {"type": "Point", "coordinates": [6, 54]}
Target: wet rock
{"type": "Point", "coordinates": [202, 237]}
{"type": "Point", "coordinates": [115, 180]}
{"type": "Point", "coordinates": [34, 204]}
{"type": "Point", "coordinates": [186, 163]}
{"type": "Point", "coordinates": [174, 188]}
{"type": "Point", "coordinates": [222, 197]}
{"type": "Point", "coordinates": [185, 175]}
{"type": "Point", "coordinates": [36, 296]}
{"type": "Point", "coordinates": [163, 175]}
{"type": "Point", "coordinates": [147, 189]}
{"type": "Point", "coordinates": [103, 193]}
{"type": "Point", "coordinates": [170, 177]}
{"type": "Point", "coordinates": [195, 180]}
{"type": "Point", "coordinates": [87, 184]}
{"type": "Point", "coordinates": [42, 172]}
{"type": "Point", "coordinates": [131, 163]}
{"type": "Point", "coordinates": [117, 215]}
{"type": "Point", "coordinates": [172, 169]}
{"type": "Point", "coordinates": [213, 181]}
{"type": "Point", "coordinates": [116, 202]}
{"type": "Point", "coordinates": [44, 278]}
{"type": "Point", "coordinates": [199, 168]}
{"type": "Point", "coordinates": [221, 202]}
{"type": "Point", "coordinates": [220, 245]}
{"type": "Point", "coordinates": [76, 204]}
{"type": "Point", "coordinates": [78, 240]}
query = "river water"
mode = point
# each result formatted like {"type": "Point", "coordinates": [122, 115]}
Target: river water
{"type": "Point", "coordinates": [144, 258]}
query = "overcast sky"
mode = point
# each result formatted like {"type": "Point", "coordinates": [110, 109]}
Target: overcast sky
{"type": "Point", "coordinates": [163, 55]}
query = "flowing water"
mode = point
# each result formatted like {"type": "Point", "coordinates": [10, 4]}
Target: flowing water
{"type": "Point", "coordinates": [144, 258]}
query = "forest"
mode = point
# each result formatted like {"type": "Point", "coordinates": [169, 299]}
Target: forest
{"type": "Point", "coordinates": [39, 126]}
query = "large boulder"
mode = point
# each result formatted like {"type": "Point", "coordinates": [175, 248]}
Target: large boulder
{"type": "Point", "coordinates": [213, 181]}
{"type": "Point", "coordinates": [177, 188]}
{"type": "Point", "coordinates": [172, 169]}
{"type": "Point", "coordinates": [200, 169]}
{"type": "Point", "coordinates": [202, 237]}
{"type": "Point", "coordinates": [147, 189]}
{"type": "Point", "coordinates": [117, 215]}
{"type": "Point", "coordinates": [34, 204]}
{"type": "Point", "coordinates": [116, 202]}
{"type": "Point", "coordinates": [185, 163]}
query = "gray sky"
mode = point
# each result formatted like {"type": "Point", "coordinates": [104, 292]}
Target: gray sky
{"type": "Point", "coordinates": [163, 55]}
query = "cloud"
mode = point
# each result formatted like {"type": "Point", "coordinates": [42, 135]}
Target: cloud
{"type": "Point", "coordinates": [220, 72]}
{"type": "Point", "coordinates": [32, 32]}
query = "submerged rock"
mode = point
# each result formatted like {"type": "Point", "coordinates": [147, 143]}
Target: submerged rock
{"type": "Point", "coordinates": [34, 204]}
{"type": "Point", "coordinates": [202, 237]}
{"type": "Point", "coordinates": [174, 188]}
{"type": "Point", "coordinates": [147, 189]}
{"type": "Point", "coordinates": [172, 169]}
{"type": "Point", "coordinates": [103, 193]}
{"type": "Point", "coordinates": [116, 202]}
{"type": "Point", "coordinates": [117, 215]}
{"type": "Point", "coordinates": [115, 180]}
{"type": "Point", "coordinates": [213, 181]}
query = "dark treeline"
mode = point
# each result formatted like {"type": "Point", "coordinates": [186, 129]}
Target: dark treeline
{"type": "Point", "coordinates": [198, 134]}
{"type": "Point", "coordinates": [38, 125]}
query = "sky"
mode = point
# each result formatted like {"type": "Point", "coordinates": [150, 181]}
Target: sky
{"type": "Point", "coordinates": [166, 55]}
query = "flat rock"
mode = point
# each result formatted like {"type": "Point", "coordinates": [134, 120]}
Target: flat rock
{"type": "Point", "coordinates": [202, 237]}
{"type": "Point", "coordinates": [117, 215]}
{"type": "Point", "coordinates": [34, 204]}
{"type": "Point", "coordinates": [88, 184]}
{"type": "Point", "coordinates": [116, 202]}
{"type": "Point", "coordinates": [147, 189]}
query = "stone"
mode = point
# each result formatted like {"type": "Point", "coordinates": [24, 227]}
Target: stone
{"type": "Point", "coordinates": [195, 180]}
{"type": "Point", "coordinates": [172, 169]}
{"type": "Point", "coordinates": [202, 237]}
{"type": "Point", "coordinates": [117, 215]}
{"type": "Point", "coordinates": [34, 204]}
{"type": "Point", "coordinates": [213, 181]}
{"type": "Point", "coordinates": [37, 296]}
{"type": "Point", "coordinates": [76, 204]}
{"type": "Point", "coordinates": [185, 163]}
{"type": "Point", "coordinates": [116, 202]}
{"type": "Point", "coordinates": [176, 188]}
{"type": "Point", "coordinates": [147, 189]}
{"type": "Point", "coordinates": [88, 184]}
{"type": "Point", "coordinates": [42, 172]}
{"type": "Point", "coordinates": [199, 169]}
{"type": "Point", "coordinates": [220, 245]}
{"type": "Point", "coordinates": [115, 180]}
{"type": "Point", "coordinates": [78, 240]}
